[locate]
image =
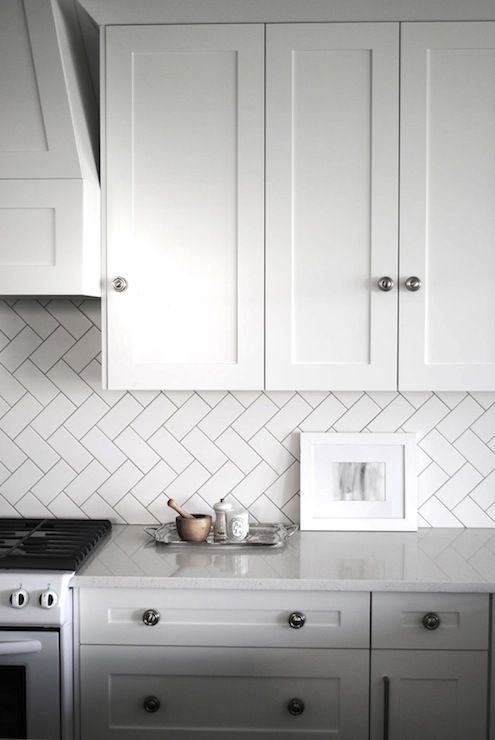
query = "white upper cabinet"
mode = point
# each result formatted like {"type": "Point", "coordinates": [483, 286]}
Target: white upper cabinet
{"type": "Point", "coordinates": [447, 234]}
{"type": "Point", "coordinates": [49, 189]}
{"type": "Point", "coordinates": [332, 191]}
{"type": "Point", "coordinates": [184, 140]}
{"type": "Point", "coordinates": [185, 206]}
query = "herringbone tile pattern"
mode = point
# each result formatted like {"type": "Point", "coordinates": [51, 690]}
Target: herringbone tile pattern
{"type": "Point", "coordinates": [68, 448]}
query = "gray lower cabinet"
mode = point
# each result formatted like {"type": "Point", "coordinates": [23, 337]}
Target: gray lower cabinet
{"type": "Point", "coordinates": [428, 695]}
{"type": "Point", "coordinates": [200, 664]}
{"type": "Point", "coordinates": [212, 664]}
{"type": "Point", "coordinates": [429, 666]}
{"type": "Point", "coordinates": [133, 693]}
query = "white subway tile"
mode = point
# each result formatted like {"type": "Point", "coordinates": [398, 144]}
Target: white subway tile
{"type": "Point", "coordinates": [52, 349]}
{"type": "Point", "coordinates": [474, 450]}
{"type": "Point", "coordinates": [454, 424]}
{"type": "Point", "coordinates": [208, 454]}
{"type": "Point", "coordinates": [70, 317]}
{"type": "Point", "coordinates": [136, 449]}
{"type": "Point", "coordinates": [20, 415]}
{"type": "Point", "coordinates": [444, 454]}
{"type": "Point", "coordinates": [37, 449]}
{"type": "Point", "coordinates": [19, 349]}
{"type": "Point", "coordinates": [291, 415]}
{"type": "Point", "coordinates": [221, 483]}
{"type": "Point", "coordinates": [170, 450]}
{"type": "Point", "coordinates": [119, 416]}
{"type": "Point", "coordinates": [221, 417]}
{"type": "Point", "coordinates": [21, 481]}
{"type": "Point", "coordinates": [270, 449]}
{"type": "Point", "coordinates": [185, 418]}
{"type": "Point", "coordinates": [239, 452]}
{"type": "Point", "coordinates": [458, 486]}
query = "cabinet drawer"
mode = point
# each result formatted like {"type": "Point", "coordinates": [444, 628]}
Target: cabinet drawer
{"type": "Point", "coordinates": [244, 618]}
{"type": "Point", "coordinates": [231, 693]}
{"type": "Point", "coordinates": [430, 621]}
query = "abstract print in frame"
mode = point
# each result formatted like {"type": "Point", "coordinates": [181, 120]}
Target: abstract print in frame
{"type": "Point", "coordinates": [363, 481]}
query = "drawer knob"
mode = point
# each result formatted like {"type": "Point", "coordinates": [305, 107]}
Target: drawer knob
{"type": "Point", "coordinates": [296, 620]}
{"type": "Point", "coordinates": [295, 707]}
{"type": "Point", "coordinates": [151, 704]}
{"type": "Point", "coordinates": [151, 617]}
{"type": "Point", "coordinates": [431, 621]}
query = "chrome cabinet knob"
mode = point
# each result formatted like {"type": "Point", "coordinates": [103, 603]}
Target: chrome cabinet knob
{"type": "Point", "coordinates": [296, 620]}
{"type": "Point", "coordinates": [413, 283]}
{"type": "Point", "coordinates": [151, 704]}
{"type": "Point", "coordinates": [119, 284]}
{"type": "Point", "coordinates": [385, 283]}
{"type": "Point", "coordinates": [295, 707]}
{"type": "Point", "coordinates": [431, 621]}
{"type": "Point", "coordinates": [151, 617]}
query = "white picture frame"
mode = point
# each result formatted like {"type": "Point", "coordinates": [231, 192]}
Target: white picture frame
{"type": "Point", "coordinates": [362, 481]}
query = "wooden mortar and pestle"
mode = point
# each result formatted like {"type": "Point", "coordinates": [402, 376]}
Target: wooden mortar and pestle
{"type": "Point", "coordinates": [190, 527]}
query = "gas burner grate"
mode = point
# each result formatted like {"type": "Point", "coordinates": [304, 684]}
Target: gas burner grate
{"type": "Point", "coordinates": [49, 544]}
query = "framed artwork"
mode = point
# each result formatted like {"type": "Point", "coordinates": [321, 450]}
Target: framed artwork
{"type": "Point", "coordinates": [361, 481]}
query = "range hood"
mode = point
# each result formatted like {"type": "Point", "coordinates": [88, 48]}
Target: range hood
{"type": "Point", "coordinates": [49, 184]}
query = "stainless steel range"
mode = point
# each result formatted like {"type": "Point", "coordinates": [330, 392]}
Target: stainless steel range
{"type": "Point", "coordinates": [38, 558]}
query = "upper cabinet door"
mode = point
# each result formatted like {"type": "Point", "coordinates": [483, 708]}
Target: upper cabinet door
{"type": "Point", "coordinates": [185, 203]}
{"type": "Point", "coordinates": [332, 192]}
{"type": "Point", "coordinates": [447, 340]}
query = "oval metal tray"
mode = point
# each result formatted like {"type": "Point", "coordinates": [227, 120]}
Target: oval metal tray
{"type": "Point", "coordinates": [265, 535]}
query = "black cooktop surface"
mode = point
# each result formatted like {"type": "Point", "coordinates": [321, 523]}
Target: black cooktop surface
{"type": "Point", "coordinates": [49, 544]}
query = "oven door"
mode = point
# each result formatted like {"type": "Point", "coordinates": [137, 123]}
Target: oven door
{"type": "Point", "coordinates": [29, 684]}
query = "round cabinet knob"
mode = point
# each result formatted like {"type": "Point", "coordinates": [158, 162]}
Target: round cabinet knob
{"type": "Point", "coordinates": [19, 598]}
{"type": "Point", "coordinates": [431, 621]}
{"type": "Point", "coordinates": [119, 284]}
{"type": "Point", "coordinates": [296, 620]}
{"type": "Point", "coordinates": [151, 704]}
{"type": "Point", "coordinates": [48, 599]}
{"type": "Point", "coordinates": [151, 617]}
{"type": "Point", "coordinates": [413, 283]}
{"type": "Point", "coordinates": [385, 284]}
{"type": "Point", "coordinates": [295, 707]}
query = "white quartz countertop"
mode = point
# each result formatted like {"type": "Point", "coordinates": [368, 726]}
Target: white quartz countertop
{"type": "Point", "coordinates": [460, 560]}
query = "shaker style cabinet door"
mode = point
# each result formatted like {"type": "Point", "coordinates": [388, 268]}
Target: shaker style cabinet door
{"type": "Point", "coordinates": [184, 173]}
{"type": "Point", "coordinates": [332, 193]}
{"type": "Point", "coordinates": [447, 234]}
{"type": "Point", "coordinates": [428, 694]}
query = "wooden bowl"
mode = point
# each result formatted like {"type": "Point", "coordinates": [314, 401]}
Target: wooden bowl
{"type": "Point", "coordinates": [193, 530]}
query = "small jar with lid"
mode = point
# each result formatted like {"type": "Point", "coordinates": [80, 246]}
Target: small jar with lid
{"type": "Point", "coordinates": [220, 526]}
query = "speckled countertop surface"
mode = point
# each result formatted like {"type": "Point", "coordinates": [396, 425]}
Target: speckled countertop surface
{"type": "Point", "coordinates": [456, 560]}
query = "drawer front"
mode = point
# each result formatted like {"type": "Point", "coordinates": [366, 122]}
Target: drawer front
{"type": "Point", "coordinates": [230, 618]}
{"type": "Point", "coordinates": [430, 621]}
{"type": "Point", "coordinates": [212, 693]}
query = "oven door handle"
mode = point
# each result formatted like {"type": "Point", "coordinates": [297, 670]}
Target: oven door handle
{"type": "Point", "coordinates": [20, 647]}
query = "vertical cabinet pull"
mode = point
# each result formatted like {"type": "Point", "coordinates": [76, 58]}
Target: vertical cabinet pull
{"type": "Point", "coordinates": [386, 706]}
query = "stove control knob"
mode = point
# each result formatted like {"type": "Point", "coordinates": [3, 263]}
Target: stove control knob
{"type": "Point", "coordinates": [48, 599]}
{"type": "Point", "coordinates": [19, 598]}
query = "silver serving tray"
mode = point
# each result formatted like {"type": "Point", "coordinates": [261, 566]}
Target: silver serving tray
{"type": "Point", "coordinates": [266, 535]}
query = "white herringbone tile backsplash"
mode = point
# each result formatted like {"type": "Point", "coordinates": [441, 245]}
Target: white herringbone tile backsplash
{"type": "Point", "coordinates": [68, 448]}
